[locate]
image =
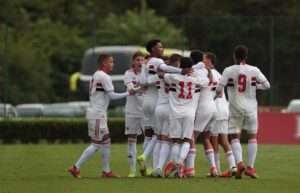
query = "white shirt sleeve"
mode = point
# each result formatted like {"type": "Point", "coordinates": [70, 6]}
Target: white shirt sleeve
{"type": "Point", "coordinates": [115, 96]}
{"type": "Point", "coordinates": [107, 84]}
{"type": "Point", "coordinates": [224, 78]}
{"type": "Point", "coordinates": [169, 69]}
{"type": "Point", "coordinates": [128, 81]}
{"type": "Point", "coordinates": [262, 81]}
{"type": "Point", "coordinates": [199, 65]}
{"type": "Point", "coordinates": [168, 78]}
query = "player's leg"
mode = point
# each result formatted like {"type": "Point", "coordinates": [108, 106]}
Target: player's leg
{"type": "Point", "coordinates": [215, 143]}
{"type": "Point", "coordinates": [133, 129]}
{"type": "Point", "coordinates": [187, 127]}
{"type": "Point", "coordinates": [222, 128]}
{"type": "Point", "coordinates": [175, 136]}
{"type": "Point", "coordinates": [93, 126]}
{"type": "Point", "coordinates": [191, 157]}
{"type": "Point", "coordinates": [251, 125]}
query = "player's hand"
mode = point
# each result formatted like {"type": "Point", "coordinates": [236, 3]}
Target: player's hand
{"type": "Point", "coordinates": [160, 74]}
{"type": "Point", "coordinates": [131, 91]}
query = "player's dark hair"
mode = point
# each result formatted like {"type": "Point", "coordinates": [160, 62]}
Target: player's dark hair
{"type": "Point", "coordinates": [240, 53]}
{"type": "Point", "coordinates": [196, 56]}
{"type": "Point", "coordinates": [151, 44]}
{"type": "Point", "coordinates": [174, 58]}
{"type": "Point", "coordinates": [137, 54]}
{"type": "Point", "coordinates": [103, 57]}
{"type": "Point", "coordinates": [186, 62]}
{"type": "Point", "coordinates": [212, 57]}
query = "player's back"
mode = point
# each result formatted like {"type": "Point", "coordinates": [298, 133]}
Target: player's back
{"type": "Point", "coordinates": [100, 84]}
{"type": "Point", "coordinates": [184, 94]}
{"type": "Point", "coordinates": [241, 86]}
{"type": "Point", "coordinates": [208, 93]}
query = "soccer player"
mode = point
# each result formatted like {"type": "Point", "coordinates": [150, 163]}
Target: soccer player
{"type": "Point", "coordinates": [162, 110]}
{"type": "Point", "coordinates": [133, 109]}
{"type": "Point", "coordinates": [101, 92]}
{"type": "Point", "coordinates": [184, 93]}
{"type": "Point", "coordinates": [197, 57]}
{"type": "Point", "coordinates": [155, 48]}
{"type": "Point", "coordinates": [242, 81]}
{"type": "Point", "coordinates": [219, 130]}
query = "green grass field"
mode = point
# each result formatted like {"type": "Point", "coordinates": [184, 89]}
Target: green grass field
{"type": "Point", "coordinates": [42, 168]}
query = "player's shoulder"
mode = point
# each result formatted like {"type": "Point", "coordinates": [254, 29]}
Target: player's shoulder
{"type": "Point", "coordinates": [101, 75]}
{"type": "Point", "coordinates": [252, 68]}
{"type": "Point", "coordinates": [129, 72]}
{"type": "Point", "coordinates": [155, 61]}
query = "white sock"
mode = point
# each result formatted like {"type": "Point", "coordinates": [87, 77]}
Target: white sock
{"type": "Point", "coordinates": [163, 154]}
{"type": "Point", "coordinates": [237, 150]}
{"type": "Point", "coordinates": [230, 159]}
{"type": "Point", "coordinates": [210, 156]}
{"type": "Point", "coordinates": [155, 155]}
{"type": "Point", "coordinates": [175, 152]}
{"type": "Point", "coordinates": [146, 142]}
{"type": "Point", "coordinates": [86, 154]}
{"type": "Point", "coordinates": [184, 150]}
{"type": "Point", "coordinates": [217, 160]}
{"type": "Point", "coordinates": [132, 154]}
{"type": "Point", "coordinates": [149, 149]}
{"type": "Point", "coordinates": [252, 151]}
{"type": "Point", "coordinates": [105, 152]}
{"type": "Point", "coordinates": [190, 158]}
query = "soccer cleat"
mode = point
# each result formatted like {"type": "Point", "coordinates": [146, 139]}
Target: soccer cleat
{"type": "Point", "coordinates": [251, 172]}
{"type": "Point", "coordinates": [141, 161]}
{"type": "Point", "coordinates": [228, 173]}
{"type": "Point", "coordinates": [157, 173]}
{"type": "Point", "coordinates": [109, 175]}
{"type": "Point", "coordinates": [131, 175]}
{"type": "Point", "coordinates": [148, 172]}
{"type": "Point", "coordinates": [170, 167]}
{"type": "Point", "coordinates": [213, 172]}
{"type": "Point", "coordinates": [179, 171]}
{"type": "Point", "coordinates": [189, 172]}
{"type": "Point", "coordinates": [74, 172]}
{"type": "Point", "coordinates": [240, 170]}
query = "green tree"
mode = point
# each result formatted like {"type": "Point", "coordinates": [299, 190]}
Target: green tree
{"type": "Point", "coordinates": [136, 28]}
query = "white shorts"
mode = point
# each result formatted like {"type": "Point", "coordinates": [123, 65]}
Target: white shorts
{"type": "Point", "coordinates": [243, 122]}
{"type": "Point", "coordinates": [162, 119]}
{"type": "Point", "coordinates": [149, 105]}
{"type": "Point", "coordinates": [220, 127]}
{"type": "Point", "coordinates": [97, 128]}
{"type": "Point", "coordinates": [182, 127]}
{"type": "Point", "coordinates": [133, 125]}
{"type": "Point", "coordinates": [204, 120]}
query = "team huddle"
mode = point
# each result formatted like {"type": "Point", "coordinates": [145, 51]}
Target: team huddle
{"type": "Point", "coordinates": [173, 103]}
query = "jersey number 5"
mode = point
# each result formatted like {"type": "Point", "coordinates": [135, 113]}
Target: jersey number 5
{"type": "Point", "coordinates": [189, 86]}
{"type": "Point", "coordinates": [242, 82]}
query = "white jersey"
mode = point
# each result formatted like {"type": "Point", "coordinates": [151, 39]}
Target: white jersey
{"type": "Point", "coordinates": [134, 102]}
{"type": "Point", "coordinates": [242, 82]}
{"type": "Point", "coordinates": [221, 102]}
{"type": "Point", "coordinates": [163, 92]}
{"type": "Point", "coordinates": [208, 93]}
{"type": "Point", "coordinates": [184, 93]}
{"type": "Point", "coordinates": [100, 85]}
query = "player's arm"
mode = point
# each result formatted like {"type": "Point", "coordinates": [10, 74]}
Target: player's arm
{"type": "Point", "coordinates": [169, 69]}
{"type": "Point", "coordinates": [109, 89]}
{"type": "Point", "coordinates": [222, 83]}
{"type": "Point", "coordinates": [199, 66]}
{"type": "Point", "coordinates": [262, 81]}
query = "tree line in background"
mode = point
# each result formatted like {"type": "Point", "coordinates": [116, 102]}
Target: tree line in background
{"type": "Point", "coordinates": [43, 41]}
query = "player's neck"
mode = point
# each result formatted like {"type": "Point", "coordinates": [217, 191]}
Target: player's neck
{"type": "Point", "coordinates": [243, 62]}
{"type": "Point", "coordinates": [104, 69]}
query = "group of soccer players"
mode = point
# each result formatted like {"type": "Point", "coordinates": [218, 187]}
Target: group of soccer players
{"type": "Point", "coordinates": [173, 103]}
